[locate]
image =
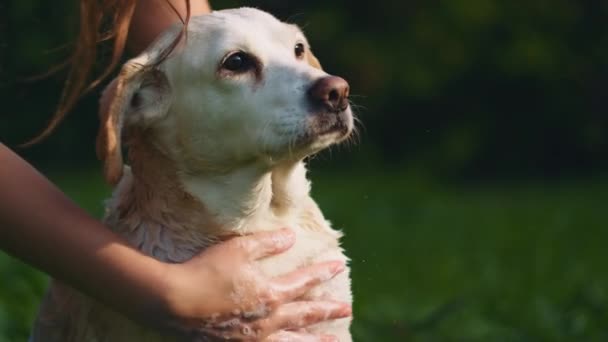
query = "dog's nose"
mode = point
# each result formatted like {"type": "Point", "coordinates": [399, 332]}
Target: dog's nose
{"type": "Point", "coordinates": [331, 92]}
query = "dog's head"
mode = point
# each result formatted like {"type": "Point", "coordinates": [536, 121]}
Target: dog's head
{"type": "Point", "coordinates": [242, 88]}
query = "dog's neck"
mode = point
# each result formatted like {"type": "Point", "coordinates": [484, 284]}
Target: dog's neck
{"type": "Point", "coordinates": [217, 204]}
{"type": "Point", "coordinates": [250, 193]}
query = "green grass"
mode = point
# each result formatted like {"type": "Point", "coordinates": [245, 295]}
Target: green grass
{"type": "Point", "coordinates": [517, 262]}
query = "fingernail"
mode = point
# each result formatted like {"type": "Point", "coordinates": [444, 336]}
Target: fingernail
{"type": "Point", "coordinates": [284, 238]}
{"type": "Point", "coordinates": [286, 231]}
{"type": "Point", "coordinates": [346, 310]}
{"type": "Point", "coordinates": [328, 338]}
{"type": "Point", "coordinates": [338, 267]}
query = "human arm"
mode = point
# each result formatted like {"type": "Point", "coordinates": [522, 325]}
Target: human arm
{"type": "Point", "coordinates": [153, 16]}
{"type": "Point", "coordinates": [41, 226]}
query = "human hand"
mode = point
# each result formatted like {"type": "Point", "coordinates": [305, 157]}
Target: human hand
{"type": "Point", "coordinates": [222, 294]}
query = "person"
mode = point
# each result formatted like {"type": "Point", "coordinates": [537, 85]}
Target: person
{"type": "Point", "coordinates": [41, 226]}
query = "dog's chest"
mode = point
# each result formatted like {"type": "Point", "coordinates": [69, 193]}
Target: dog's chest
{"type": "Point", "coordinates": [315, 242]}
{"type": "Point", "coordinates": [172, 237]}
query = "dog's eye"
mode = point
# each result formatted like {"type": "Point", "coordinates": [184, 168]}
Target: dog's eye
{"type": "Point", "coordinates": [238, 61]}
{"type": "Point", "coordinates": [299, 50]}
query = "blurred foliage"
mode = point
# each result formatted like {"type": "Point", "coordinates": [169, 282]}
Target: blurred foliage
{"type": "Point", "coordinates": [458, 88]}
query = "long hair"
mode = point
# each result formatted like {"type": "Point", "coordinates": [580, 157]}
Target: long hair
{"type": "Point", "coordinates": [95, 15]}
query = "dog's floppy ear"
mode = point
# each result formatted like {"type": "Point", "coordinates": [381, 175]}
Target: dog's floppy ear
{"type": "Point", "coordinates": [313, 61]}
{"type": "Point", "coordinates": [138, 96]}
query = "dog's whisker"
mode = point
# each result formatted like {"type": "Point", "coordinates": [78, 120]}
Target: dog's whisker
{"type": "Point", "coordinates": [357, 107]}
{"type": "Point", "coordinates": [292, 143]}
{"type": "Point", "coordinates": [351, 95]}
{"type": "Point", "coordinates": [264, 137]}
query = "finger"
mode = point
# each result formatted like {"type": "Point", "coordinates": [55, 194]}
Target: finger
{"type": "Point", "coordinates": [263, 244]}
{"type": "Point", "coordinates": [292, 336]}
{"type": "Point", "coordinates": [298, 315]}
{"type": "Point", "coordinates": [297, 283]}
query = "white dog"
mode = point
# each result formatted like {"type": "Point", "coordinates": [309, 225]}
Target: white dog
{"type": "Point", "coordinates": [216, 135]}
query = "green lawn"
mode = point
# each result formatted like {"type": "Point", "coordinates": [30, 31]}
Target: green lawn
{"type": "Point", "coordinates": [515, 262]}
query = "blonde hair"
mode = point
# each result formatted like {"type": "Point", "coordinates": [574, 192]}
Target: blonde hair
{"type": "Point", "coordinates": [94, 15]}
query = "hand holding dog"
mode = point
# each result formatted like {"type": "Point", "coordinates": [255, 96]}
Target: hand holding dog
{"type": "Point", "coordinates": [238, 302]}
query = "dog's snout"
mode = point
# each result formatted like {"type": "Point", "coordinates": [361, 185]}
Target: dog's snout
{"type": "Point", "coordinates": [331, 92]}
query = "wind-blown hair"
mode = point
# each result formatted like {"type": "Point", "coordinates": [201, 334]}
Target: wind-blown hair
{"type": "Point", "coordinates": [100, 20]}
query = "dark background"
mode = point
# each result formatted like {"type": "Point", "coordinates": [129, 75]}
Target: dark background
{"type": "Point", "coordinates": [460, 88]}
{"type": "Point", "coordinates": [479, 173]}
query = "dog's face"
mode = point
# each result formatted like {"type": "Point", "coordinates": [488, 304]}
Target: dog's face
{"type": "Point", "coordinates": [244, 87]}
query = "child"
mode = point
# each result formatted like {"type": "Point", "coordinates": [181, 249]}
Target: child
{"type": "Point", "coordinates": [39, 225]}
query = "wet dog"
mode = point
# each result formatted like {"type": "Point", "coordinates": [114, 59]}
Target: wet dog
{"type": "Point", "coordinates": [216, 137]}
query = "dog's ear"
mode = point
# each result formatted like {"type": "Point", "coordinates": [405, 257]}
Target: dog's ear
{"type": "Point", "coordinates": [313, 61]}
{"type": "Point", "coordinates": [138, 96]}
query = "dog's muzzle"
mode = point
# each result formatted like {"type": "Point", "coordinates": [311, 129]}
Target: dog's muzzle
{"type": "Point", "coordinates": [328, 98]}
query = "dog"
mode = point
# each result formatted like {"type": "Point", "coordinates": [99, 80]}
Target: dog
{"type": "Point", "coordinates": [217, 134]}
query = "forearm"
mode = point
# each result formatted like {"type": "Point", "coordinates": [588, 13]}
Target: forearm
{"type": "Point", "coordinates": [40, 225]}
{"type": "Point", "coordinates": [153, 16]}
